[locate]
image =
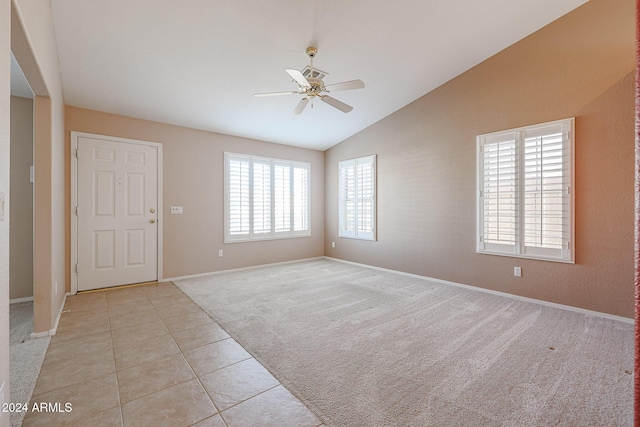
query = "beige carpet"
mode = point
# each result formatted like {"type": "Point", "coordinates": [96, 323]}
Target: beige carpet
{"type": "Point", "coordinates": [363, 347]}
{"type": "Point", "coordinates": [26, 356]}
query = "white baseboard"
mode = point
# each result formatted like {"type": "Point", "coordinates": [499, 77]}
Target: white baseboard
{"type": "Point", "coordinates": [17, 300]}
{"type": "Point", "coordinates": [55, 325]}
{"type": "Point", "coordinates": [52, 332]}
{"type": "Point", "coordinates": [489, 291]}
{"type": "Point", "coordinates": [232, 270]}
{"type": "Point", "coordinates": [42, 334]}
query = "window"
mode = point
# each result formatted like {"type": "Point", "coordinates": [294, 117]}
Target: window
{"type": "Point", "coordinates": [525, 186]}
{"type": "Point", "coordinates": [357, 202]}
{"type": "Point", "coordinates": [265, 198]}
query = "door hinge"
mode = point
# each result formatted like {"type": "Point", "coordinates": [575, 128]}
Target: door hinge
{"type": "Point", "coordinates": [76, 211]}
{"type": "Point", "coordinates": [76, 268]}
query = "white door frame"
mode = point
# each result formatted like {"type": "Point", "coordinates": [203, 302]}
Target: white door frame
{"type": "Point", "coordinates": [74, 199]}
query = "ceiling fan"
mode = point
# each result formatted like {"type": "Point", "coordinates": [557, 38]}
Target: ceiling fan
{"type": "Point", "coordinates": [310, 85]}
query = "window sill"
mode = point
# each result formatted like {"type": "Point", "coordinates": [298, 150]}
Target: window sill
{"type": "Point", "coordinates": [525, 256]}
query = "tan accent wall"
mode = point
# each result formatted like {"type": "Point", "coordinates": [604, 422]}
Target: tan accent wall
{"type": "Point", "coordinates": [21, 233]}
{"type": "Point", "coordinates": [42, 226]}
{"type": "Point", "coordinates": [581, 65]}
{"type": "Point", "coordinates": [33, 44]}
{"type": "Point", "coordinates": [193, 177]}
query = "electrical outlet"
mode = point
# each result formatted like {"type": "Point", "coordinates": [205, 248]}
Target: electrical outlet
{"type": "Point", "coordinates": [517, 271]}
{"type": "Point", "coordinates": [333, 244]}
{"type": "Point", "coordinates": [220, 253]}
{"type": "Point", "coordinates": [55, 286]}
{"type": "Point", "coordinates": [176, 210]}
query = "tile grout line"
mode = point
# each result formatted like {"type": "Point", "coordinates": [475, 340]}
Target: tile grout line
{"type": "Point", "coordinates": [122, 420]}
{"type": "Point", "coordinates": [91, 414]}
{"type": "Point", "coordinates": [190, 368]}
{"type": "Point", "coordinates": [113, 352]}
{"type": "Point", "coordinates": [218, 411]}
{"type": "Point", "coordinates": [189, 365]}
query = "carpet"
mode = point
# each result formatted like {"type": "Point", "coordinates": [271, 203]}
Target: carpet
{"type": "Point", "coordinates": [20, 322]}
{"type": "Point", "coordinates": [364, 347]}
{"type": "Point", "coordinates": [26, 356]}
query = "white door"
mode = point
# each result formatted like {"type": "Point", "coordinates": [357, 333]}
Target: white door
{"type": "Point", "coordinates": [117, 213]}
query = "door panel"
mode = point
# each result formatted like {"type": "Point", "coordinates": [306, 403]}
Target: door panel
{"type": "Point", "coordinates": [117, 205]}
{"type": "Point", "coordinates": [104, 194]}
{"type": "Point", "coordinates": [135, 189]}
{"type": "Point", "coordinates": [104, 254]}
{"type": "Point", "coordinates": [134, 248]}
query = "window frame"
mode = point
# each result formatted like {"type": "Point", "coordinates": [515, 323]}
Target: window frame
{"type": "Point", "coordinates": [356, 233]}
{"type": "Point", "coordinates": [564, 254]}
{"type": "Point", "coordinates": [251, 235]}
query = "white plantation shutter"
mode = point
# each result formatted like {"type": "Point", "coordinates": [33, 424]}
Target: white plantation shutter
{"type": "Point", "coordinates": [365, 188]}
{"type": "Point", "coordinates": [238, 199]}
{"type": "Point", "coordinates": [525, 203]}
{"type": "Point", "coordinates": [282, 195]}
{"type": "Point", "coordinates": [500, 192]}
{"type": "Point", "coordinates": [261, 197]}
{"type": "Point", "coordinates": [300, 198]}
{"type": "Point", "coordinates": [357, 202]}
{"type": "Point", "coordinates": [347, 203]}
{"type": "Point", "coordinates": [265, 198]}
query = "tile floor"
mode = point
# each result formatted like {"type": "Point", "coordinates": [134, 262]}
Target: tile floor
{"type": "Point", "coordinates": [149, 356]}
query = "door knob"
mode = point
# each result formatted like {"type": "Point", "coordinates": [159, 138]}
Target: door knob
{"type": "Point", "coordinates": [152, 221]}
{"type": "Point", "coordinates": [152, 210]}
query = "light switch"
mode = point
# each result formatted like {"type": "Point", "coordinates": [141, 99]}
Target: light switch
{"type": "Point", "coordinates": [176, 210]}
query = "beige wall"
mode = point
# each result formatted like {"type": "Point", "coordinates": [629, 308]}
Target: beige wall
{"type": "Point", "coordinates": [21, 233]}
{"type": "Point", "coordinates": [193, 178]}
{"type": "Point", "coordinates": [581, 65]}
{"type": "Point", "coordinates": [33, 44]}
{"type": "Point", "coordinates": [5, 79]}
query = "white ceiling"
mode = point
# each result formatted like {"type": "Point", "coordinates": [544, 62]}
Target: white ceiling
{"type": "Point", "coordinates": [197, 63]}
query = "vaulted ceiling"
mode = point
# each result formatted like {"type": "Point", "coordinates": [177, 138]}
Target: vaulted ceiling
{"type": "Point", "coordinates": [197, 63]}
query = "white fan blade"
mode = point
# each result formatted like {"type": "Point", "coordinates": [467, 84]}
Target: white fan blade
{"type": "Point", "coordinates": [352, 84]}
{"type": "Point", "coordinates": [301, 106]}
{"type": "Point", "coordinates": [276, 93]}
{"type": "Point", "coordinates": [337, 104]}
{"type": "Point", "coordinates": [298, 77]}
